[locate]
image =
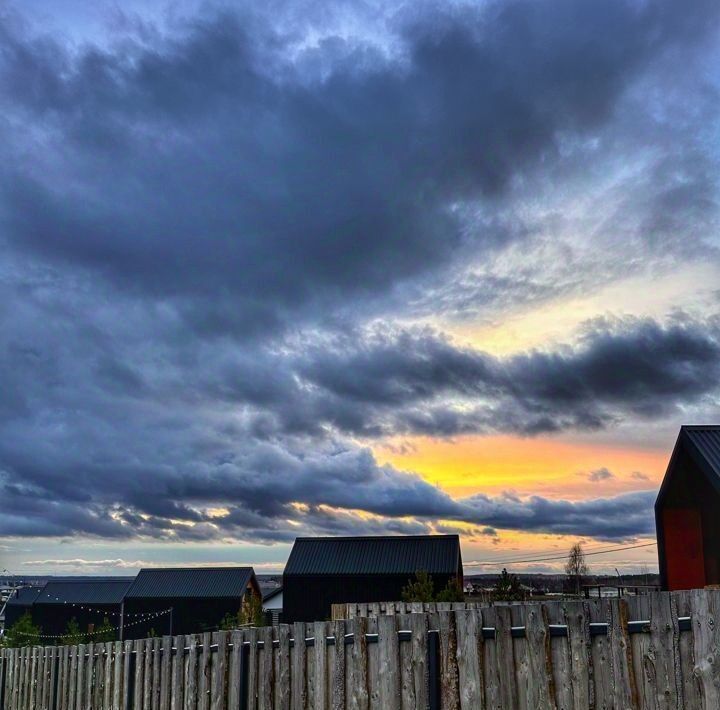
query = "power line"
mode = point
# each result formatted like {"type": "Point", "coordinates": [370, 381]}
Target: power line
{"type": "Point", "coordinates": [561, 557]}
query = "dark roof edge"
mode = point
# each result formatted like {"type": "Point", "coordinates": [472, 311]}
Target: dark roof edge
{"type": "Point", "coordinates": [379, 537]}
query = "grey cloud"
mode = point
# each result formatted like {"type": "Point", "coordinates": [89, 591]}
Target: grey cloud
{"type": "Point", "coordinates": [600, 474]}
{"type": "Point", "coordinates": [210, 170]}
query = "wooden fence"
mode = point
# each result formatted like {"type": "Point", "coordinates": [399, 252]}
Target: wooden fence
{"type": "Point", "coordinates": [656, 651]}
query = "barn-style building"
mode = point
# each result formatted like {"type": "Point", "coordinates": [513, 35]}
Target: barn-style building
{"type": "Point", "coordinates": [88, 601]}
{"type": "Point", "coordinates": [322, 571]}
{"type": "Point", "coordinates": [687, 511]}
{"type": "Point", "coordinates": [198, 597]}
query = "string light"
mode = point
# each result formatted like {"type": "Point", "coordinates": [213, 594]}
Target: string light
{"type": "Point", "coordinates": [105, 630]}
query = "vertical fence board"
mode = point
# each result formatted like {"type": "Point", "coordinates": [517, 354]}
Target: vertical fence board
{"type": "Point", "coordinates": [190, 700]}
{"type": "Point", "coordinates": [283, 671]}
{"type": "Point", "coordinates": [266, 673]}
{"type": "Point", "coordinates": [444, 621]}
{"type": "Point", "coordinates": [639, 609]}
{"type": "Point", "coordinates": [320, 684]}
{"type": "Point", "coordinates": [560, 652]}
{"type": "Point", "coordinates": [577, 618]}
{"type": "Point", "coordinates": [177, 674]}
{"type": "Point", "coordinates": [252, 674]}
{"type": "Point", "coordinates": [540, 687]}
{"type": "Point", "coordinates": [218, 670]}
{"type": "Point", "coordinates": [204, 670]}
{"type": "Point", "coordinates": [373, 665]}
{"type": "Point", "coordinates": [117, 695]}
{"type": "Point", "coordinates": [148, 674]}
{"type": "Point", "coordinates": [139, 675]}
{"type": "Point", "coordinates": [80, 679]}
{"type": "Point", "coordinates": [690, 684]}
{"type": "Point", "coordinates": [491, 677]}
{"type": "Point", "coordinates": [623, 687]}
{"type": "Point", "coordinates": [235, 670]}
{"type": "Point", "coordinates": [508, 695]}
{"type": "Point", "coordinates": [705, 611]}
{"type": "Point", "coordinates": [389, 662]}
{"type": "Point", "coordinates": [662, 662]}
{"type": "Point", "coordinates": [358, 692]}
{"type": "Point", "coordinates": [602, 678]}
{"type": "Point", "coordinates": [468, 624]}
{"type": "Point", "coordinates": [299, 667]}
{"type": "Point", "coordinates": [337, 665]}
{"type": "Point", "coordinates": [165, 667]}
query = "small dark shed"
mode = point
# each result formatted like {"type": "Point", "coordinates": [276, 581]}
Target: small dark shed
{"type": "Point", "coordinates": [322, 571]}
{"type": "Point", "coordinates": [88, 601]}
{"type": "Point", "coordinates": [198, 597]}
{"type": "Point", "coordinates": [687, 511]}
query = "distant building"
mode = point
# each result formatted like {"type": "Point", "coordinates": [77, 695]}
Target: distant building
{"type": "Point", "coordinates": [273, 605]}
{"type": "Point", "coordinates": [189, 600]}
{"type": "Point", "coordinates": [322, 571]}
{"type": "Point", "coordinates": [89, 602]}
{"type": "Point", "coordinates": [687, 511]}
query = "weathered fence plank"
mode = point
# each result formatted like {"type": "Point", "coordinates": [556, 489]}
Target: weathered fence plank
{"type": "Point", "coordinates": [577, 619]}
{"type": "Point", "coordinates": [623, 686]}
{"type": "Point", "coordinates": [705, 612]}
{"type": "Point", "coordinates": [337, 696]}
{"type": "Point", "coordinates": [357, 688]}
{"type": "Point", "coordinates": [299, 667]}
{"type": "Point", "coordinates": [266, 677]}
{"type": "Point", "coordinates": [508, 691]}
{"type": "Point", "coordinates": [389, 662]}
{"type": "Point", "coordinates": [191, 674]}
{"type": "Point", "coordinates": [219, 669]}
{"type": "Point", "coordinates": [662, 663]}
{"type": "Point", "coordinates": [178, 673]}
{"type": "Point", "coordinates": [468, 625]}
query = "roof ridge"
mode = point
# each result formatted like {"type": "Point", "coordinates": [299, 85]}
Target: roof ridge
{"type": "Point", "coordinates": [189, 569]}
{"type": "Point", "coordinates": [379, 537]}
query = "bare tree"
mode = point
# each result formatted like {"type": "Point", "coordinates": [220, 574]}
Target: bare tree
{"type": "Point", "coordinates": [575, 567]}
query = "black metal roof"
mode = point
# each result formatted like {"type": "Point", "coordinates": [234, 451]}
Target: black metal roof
{"type": "Point", "coordinates": [191, 582]}
{"type": "Point", "coordinates": [702, 444]}
{"type": "Point", "coordinates": [96, 591]}
{"type": "Point", "coordinates": [435, 554]}
{"type": "Point", "coordinates": [25, 596]}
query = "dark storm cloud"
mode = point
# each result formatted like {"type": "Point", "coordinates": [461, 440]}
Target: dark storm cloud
{"type": "Point", "coordinates": [210, 169]}
{"type": "Point", "coordinates": [420, 383]}
{"type": "Point", "coordinates": [196, 228]}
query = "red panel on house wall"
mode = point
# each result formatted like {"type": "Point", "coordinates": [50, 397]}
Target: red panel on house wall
{"type": "Point", "coordinates": [684, 548]}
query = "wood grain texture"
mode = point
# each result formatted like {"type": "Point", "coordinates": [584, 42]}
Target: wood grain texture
{"type": "Point", "coordinates": [358, 689]}
{"type": "Point", "coordinates": [299, 668]}
{"type": "Point", "coordinates": [468, 624]}
{"type": "Point", "coordinates": [577, 618]}
{"type": "Point", "coordinates": [705, 612]}
{"type": "Point", "coordinates": [389, 662]}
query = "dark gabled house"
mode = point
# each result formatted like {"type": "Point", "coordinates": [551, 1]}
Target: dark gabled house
{"type": "Point", "coordinates": [322, 571]}
{"type": "Point", "coordinates": [189, 600]}
{"type": "Point", "coordinates": [687, 511]}
{"type": "Point", "coordinates": [88, 601]}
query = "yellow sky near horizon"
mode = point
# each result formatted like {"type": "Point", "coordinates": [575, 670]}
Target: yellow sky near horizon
{"type": "Point", "coordinates": [544, 466]}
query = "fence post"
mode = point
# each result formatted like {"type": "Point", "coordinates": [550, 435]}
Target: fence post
{"type": "Point", "coordinates": [434, 670]}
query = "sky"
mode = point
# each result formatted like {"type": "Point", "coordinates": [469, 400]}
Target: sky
{"type": "Point", "coordinates": [343, 268]}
